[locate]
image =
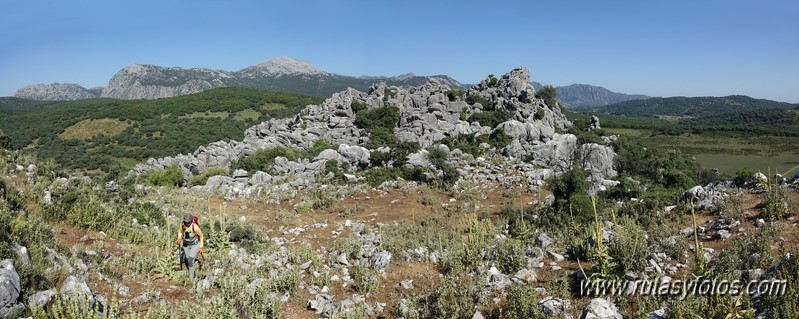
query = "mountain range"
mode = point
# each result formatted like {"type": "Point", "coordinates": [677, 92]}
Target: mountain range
{"type": "Point", "coordinates": [282, 74]}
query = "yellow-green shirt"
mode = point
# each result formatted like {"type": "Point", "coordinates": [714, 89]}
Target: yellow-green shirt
{"type": "Point", "coordinates": [192, 231]}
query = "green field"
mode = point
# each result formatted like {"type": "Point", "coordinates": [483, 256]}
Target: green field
{"type": "Point", "coordinates": [728, 152]}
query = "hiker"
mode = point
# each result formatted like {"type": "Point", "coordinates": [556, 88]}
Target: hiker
{"type": "Point", "coordinates": [192, 242]}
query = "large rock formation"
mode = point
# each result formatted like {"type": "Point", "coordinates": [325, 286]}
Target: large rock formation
{"type": "Point", "coordinates": [151, 82]}
{"type": "Point", "coordinates": [426, 116]}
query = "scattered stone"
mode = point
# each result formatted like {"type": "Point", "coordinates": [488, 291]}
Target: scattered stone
{"type": "Point", "coordinates": [342, 259]}
{"type": "Point", "coordinates": [552, 307]}
{"type": "Point", "coordinates": [123, 290]}
{"type": "Point", "coordinates": [406, 284]}
{"type": "Point", "coordinates": [556, 256]}
{"type": "Point", "coordinates": [543, 241]}
{"type": "Point", "coordinates": [321, 303]}
{"type": "Point", "coordinates": [381, 259]}
{"type": "Point", "coordinates": [658, 314]}
{"type": "Point", "coordinates": [524, 276]}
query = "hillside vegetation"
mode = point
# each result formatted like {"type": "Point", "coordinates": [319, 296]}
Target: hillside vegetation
{"type": "Point", "coordinates": [681, 106]}
{"type": "Point", "coordinates": [100, 133]}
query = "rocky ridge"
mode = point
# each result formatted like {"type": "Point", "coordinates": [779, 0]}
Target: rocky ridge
{"type": "Point", "coordinates": [285, 74]}
{"type": "Point", "coordinates": [426, 116]}
{"type": "Point", "coordinates": [56, 92]}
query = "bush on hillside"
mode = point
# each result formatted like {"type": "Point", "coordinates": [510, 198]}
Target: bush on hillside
{"type": "Point", "coordinates": [170, 176]}
{"type": "Point", "coordinates": [387, 117]}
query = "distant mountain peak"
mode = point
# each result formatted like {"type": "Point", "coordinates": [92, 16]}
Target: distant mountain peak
{"type": "Point", "coordinates": [284, 65]}
{"type": "Point", "coordinates": [586, 96]}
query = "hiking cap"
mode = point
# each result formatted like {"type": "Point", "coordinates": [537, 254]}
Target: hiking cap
{"type": "Point", "coordinates": [187, 218]}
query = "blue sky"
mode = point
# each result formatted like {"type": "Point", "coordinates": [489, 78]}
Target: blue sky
{"type": "Point", "coordinates": [658, 48]}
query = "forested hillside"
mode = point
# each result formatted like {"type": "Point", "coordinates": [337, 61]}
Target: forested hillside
{"type": "Point", "coordinates": [100, 133]}
{"type": "Point", "coordinates": [691, 106]}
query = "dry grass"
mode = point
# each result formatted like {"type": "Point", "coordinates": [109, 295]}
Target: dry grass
{"type": "Point", "coordinates": [89, 128]}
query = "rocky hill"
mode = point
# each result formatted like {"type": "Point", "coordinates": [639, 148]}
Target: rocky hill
{"type": "Point", "coordinates": [56, 92]}
{"type": "Point", "coordinates": [578, 96]}
{"type": "Point", "coordinates": [283, 74]}
{"type": "Point", "coordinates": [428, 115]}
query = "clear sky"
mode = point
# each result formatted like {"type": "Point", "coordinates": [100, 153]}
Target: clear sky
{"type": "Point", "coordinates": [657, 48]}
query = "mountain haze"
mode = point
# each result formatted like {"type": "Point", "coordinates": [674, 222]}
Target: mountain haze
{"type": "Point", "coordinates": [579, 96]}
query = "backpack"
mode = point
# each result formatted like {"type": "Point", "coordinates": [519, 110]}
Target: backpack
{"type": "Point", "coordinates": [195, 220]}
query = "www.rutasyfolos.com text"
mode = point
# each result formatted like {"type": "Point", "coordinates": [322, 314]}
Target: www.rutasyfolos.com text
{"type": "Point", "coordinates": [682, 288]}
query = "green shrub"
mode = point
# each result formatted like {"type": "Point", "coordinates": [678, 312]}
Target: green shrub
{"type": "Point", "coordinates": [264, 159]}
{"type": "Point", "coordinates": [569, 183]}
{"type": "Point", "coordinates": [170, 176]}
{"type": "Point", "coordinates": [454, 95]}
{"type": "Point", "coordinates": [381, 137]}
{"type": "Point", "coordinates": [146, 213]}
{"type": "Point", "coordinates": [475, 98]}
{"type": "Point", "coordinates": [377, 175]}
{"type": "Point", "coordinates": [490, 118]}
{"type": "Point", "coordinates": [332, 167]}
{"type": "Point", "coordinates": [357, 106]}
{"type": "Point", "coordinates": [549, 94]}
{"type": "Point", "coordinates": [492, 80]}
{"type": "Point", "coordinates": [677, 179]}
{"type": "Point", "coordinates": [539, 114]}
{"type": "Point", "coordinates": [629, 248]}
{"type": "Point", "coordinates": [438, 157]}
{"type": "Point", "coordinates": [387, 117]}
{"type": "Point", "coordinates": [367, 279]}
{"type": "Point", "coordinates": [744, 176]}
{"type": "Point", "coordinates": [785, 305]}
{"type": "Point", "coordinates": [318, 146]}
{"type": "Point", "coordinates": [92, 215]}
{"type": "Point", "coordinates": [321, 199]}
{"type": "Point", "coordinates": [522, 302]}
{"type": "Point", "coordinates": [510, 256]}
{"type": "Point", "coordinates": [244, 234]}
{"type": "Point", "coordinates": [388, 93]}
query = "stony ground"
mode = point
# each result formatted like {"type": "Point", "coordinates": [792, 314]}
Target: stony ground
{"type": "Point", "coordinates": [321, 228]}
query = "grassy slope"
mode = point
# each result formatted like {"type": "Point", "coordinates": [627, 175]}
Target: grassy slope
{"type": "Point", "coordinates": [152, 128]}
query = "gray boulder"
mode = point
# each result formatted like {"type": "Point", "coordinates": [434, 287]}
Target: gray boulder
{"type": "Point", "coordinates": [356, 155]}
{"type": "Point", "coordinates": [599, 308]}
{"type": "Point", "coordinates": [78, 291]}
{"type": "Point", "coordinates": [260, 179]}
{"type": "Point", "coordinates": [543, 241]}
{"type": "Point", "coordinates": [329, 155]}
{"type": "Point", "coordinates": [240, 175]}
{"type": "Point", "coordinates": [598, 161]}
{"type": "Point", "coordinates": [22, 254]}
{"type": "Point", "coordinates": [41, 298]}
{"type": "Point", "coordinates": [381, 259]}
{"type": "Point", "coordinates": [9, 291]}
